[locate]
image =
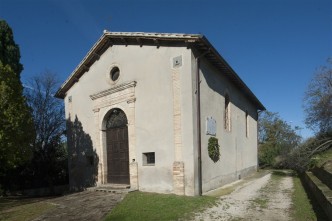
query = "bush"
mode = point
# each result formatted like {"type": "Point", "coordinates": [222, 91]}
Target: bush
{"type": "Point", "coordinates": [213, 148]}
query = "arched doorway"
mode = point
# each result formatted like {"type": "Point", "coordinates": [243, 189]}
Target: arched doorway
{"type": "Point", "coordinates": [117, 147]}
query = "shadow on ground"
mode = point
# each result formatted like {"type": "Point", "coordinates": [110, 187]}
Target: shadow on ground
{"type": "Point", "coordinates": [284, 173]}
{"type": "Point", "coordinates": [86, 205]}
{"type": "Point", "coordinates": [320, 214]}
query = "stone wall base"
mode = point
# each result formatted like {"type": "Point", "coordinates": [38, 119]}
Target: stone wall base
{"type": "Point", "coordinates": [228, 178]}
{"type": "Point", "coordinates": [178, 178]}
{"type": "Point", "coordinates": [133, 170]}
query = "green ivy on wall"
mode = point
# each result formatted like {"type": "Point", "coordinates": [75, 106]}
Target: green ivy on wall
{"type": "Point", "coordinates": [214, 149]}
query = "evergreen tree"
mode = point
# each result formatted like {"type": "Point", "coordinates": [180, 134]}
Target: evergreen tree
{"type": "Point", "coordinates": [16, 123]}
{"type": "Point", "coordinates": [9, 50]}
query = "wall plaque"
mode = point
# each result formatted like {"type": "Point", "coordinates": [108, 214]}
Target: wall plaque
{"type": "Point", "coordinates": [211, 126]}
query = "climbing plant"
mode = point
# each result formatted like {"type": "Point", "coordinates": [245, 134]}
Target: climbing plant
{"type": "Point", "coordinates": [214, 149]}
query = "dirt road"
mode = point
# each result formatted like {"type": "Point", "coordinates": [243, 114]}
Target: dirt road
{"type": "Point", "coordinates": [265, 198]}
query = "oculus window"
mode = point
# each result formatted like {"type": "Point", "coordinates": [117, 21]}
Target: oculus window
{"type": "Point", "coordinates": [115, 73]}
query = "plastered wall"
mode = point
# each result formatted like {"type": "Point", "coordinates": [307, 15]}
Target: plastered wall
{"type": "Point", "coordinates": [238, 151]}
{"type": "Point", "coordinates": [152, 123]}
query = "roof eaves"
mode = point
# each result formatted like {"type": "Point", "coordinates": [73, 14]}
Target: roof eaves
{"type": "Point", "coordinates": [125, 38]}
{"type": "Point", "coordinates": [159, 39]}
{"type": "Point", "coordinates": [81, 67]}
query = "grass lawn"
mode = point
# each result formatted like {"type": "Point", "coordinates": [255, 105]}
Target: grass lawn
{"type": "Point", "coordinates": [151, 206]}
{"type": "Point", "coordinates": [324, 157]}
{"type": "Point", "coordinates": [305, 207]}
{"type": "Point", "coordinates": [22, 209]}
{"type": "Point", "coordinates": [302, 208]}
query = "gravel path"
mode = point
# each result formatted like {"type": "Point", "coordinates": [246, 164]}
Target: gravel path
{"type": "Point", "coordinates": [266, 198]}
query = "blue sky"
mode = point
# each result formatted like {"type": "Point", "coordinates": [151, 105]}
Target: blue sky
{"type": "Point", "coordinates": [275, 46]}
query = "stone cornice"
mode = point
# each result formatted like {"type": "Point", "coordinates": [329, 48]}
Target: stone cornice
{"type": "Point", "coordinates": [112, 90]}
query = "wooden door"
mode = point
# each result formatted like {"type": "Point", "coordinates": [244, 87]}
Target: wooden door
{"type": "Point", "coordinates": [117, 147]}
{"type": "Point", "coordinates": [117, 155]}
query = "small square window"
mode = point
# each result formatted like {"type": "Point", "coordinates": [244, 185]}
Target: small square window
{"type": "Point", "coordinates": [148, 159]}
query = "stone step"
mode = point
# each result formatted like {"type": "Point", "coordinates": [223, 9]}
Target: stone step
{"type": "Point", "coordinates": [321, 191]}
{"type": "Point", "coordinates": [115, 186]}
{"type": "Point", "coordinates": [112, 188]}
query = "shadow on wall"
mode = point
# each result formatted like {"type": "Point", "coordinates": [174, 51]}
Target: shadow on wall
{"type": "Point", "coordinates": [219, 85]}
{"type": "Point", "coordinates": [83, 160]}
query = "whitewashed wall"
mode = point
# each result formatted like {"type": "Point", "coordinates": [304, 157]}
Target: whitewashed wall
{"type": "Point", "coordinates": [152, 69]}
{"type": "Point", "coordinates": [238, 152]}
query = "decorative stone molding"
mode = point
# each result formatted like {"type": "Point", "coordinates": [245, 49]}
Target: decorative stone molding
{"type": "Point", "coordinates": [131, 100]}
{"type": "Point", "coordinates": [115, 95]}
{"type": "Point", "coordinates": [96, 110]}
{"type": "Point", "coordinates": [177, 114]}
{"type": "Point", "coordinates": [178, 165]}
{"type": "Point", "coordinates": [112, 90]}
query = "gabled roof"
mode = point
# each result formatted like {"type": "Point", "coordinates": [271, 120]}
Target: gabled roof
{"type": "Point", "coordinates": [197, 41]}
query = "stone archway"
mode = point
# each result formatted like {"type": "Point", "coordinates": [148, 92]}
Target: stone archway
{"type": "Point", "coordinates": [117, 147]}
{"type": "Point", "coordinates": [119, 96]}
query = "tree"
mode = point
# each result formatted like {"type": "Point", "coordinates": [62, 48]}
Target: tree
{"type": "Point", "coordinates": [276, 139]}
{"type": "Point", "coordinates": [48, 111]}
{"type": "Point", "coordinates": [9, 50]}
{"type": "Point", "coordinates": [16, 124]}
{"type": "Point", "coordinates": [318, 110]}
{"type": "Point", "coordinates": [302, 158]}
{"type": "Point", "coordinates": [49, 162]}
{"type": "Point", "coordinates": [318, 100]}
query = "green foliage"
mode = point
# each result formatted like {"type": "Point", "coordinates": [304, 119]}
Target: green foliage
{"type": "Point", "coordinates": [152, 206]}
{"type": "Point", "coordinates": [322, 158]}
{"type": "Point", "coordinates": [16, 124]}
{"type": "Point", "coordinates": [276, 139]}
{"type": "Point", "coordinates": [213, 149]}
{"type": "Point", "coordinates": [318, 110]}
{"type": "Point", "coordinates": [9, 50]}
{"type": "Point", "coordinates": [268, 155]}
{"type": "Point", "coordinates": [307, 155]}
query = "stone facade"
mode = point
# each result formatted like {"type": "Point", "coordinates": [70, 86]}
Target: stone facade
{"type": "Point", "coordinates": [155, 88]}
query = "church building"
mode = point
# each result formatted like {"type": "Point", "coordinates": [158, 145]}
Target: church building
{"type": "Point", "coordinates": [158, 112]}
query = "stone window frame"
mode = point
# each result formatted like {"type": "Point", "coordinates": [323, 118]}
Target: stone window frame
{"type": "Point", "coordinates": [109, 74]}
{"type": "Point", "coordinates": [227, 112]}
{"type": "Point", "coordinates": [247, 123]}
{"type": "Point", "coordinates": [149, 158]}
{"type": "Point", "coordinates": [115, 73]}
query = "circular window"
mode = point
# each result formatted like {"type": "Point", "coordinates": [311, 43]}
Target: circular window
{"type": "Point", "coordinates": [115, 73]}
